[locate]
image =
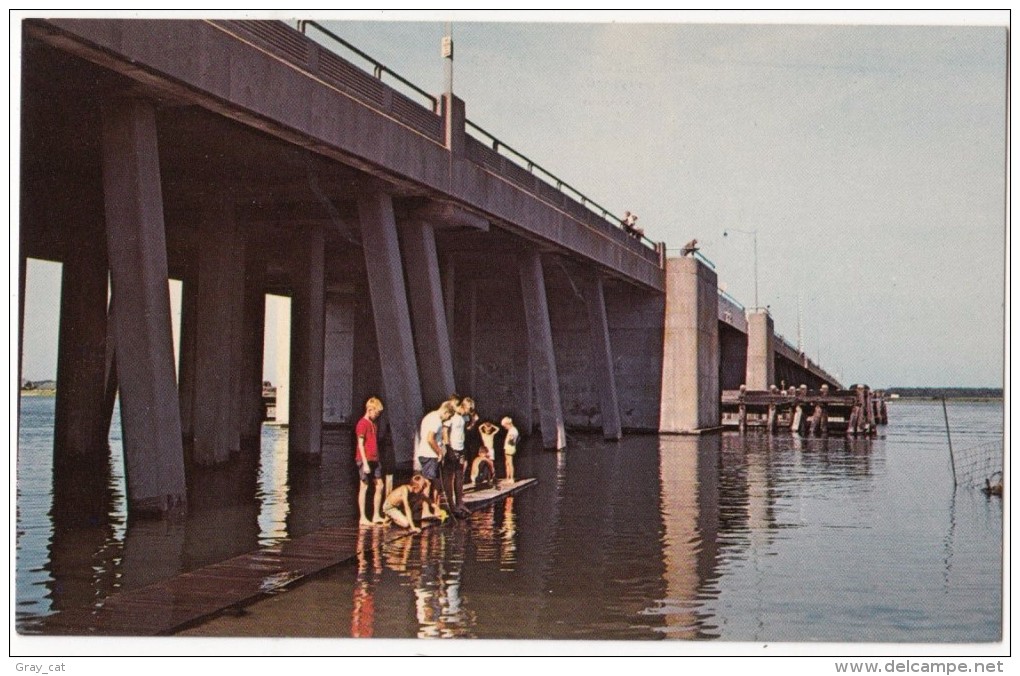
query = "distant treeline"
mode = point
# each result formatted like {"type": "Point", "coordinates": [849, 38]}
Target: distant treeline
{"type": "Point", "coordinates": [947, 392]}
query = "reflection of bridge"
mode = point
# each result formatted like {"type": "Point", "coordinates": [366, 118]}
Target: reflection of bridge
{"type": "Point", "coordinates": [244, 158]}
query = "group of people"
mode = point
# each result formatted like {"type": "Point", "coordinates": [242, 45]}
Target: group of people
{"type": "Point", "coordinates": [440, 463]}
{"type": "Point", "coordinates": [629, 224]}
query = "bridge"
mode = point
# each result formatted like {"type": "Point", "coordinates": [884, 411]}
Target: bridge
{"type": "Point", "coordinates": [422, 256]}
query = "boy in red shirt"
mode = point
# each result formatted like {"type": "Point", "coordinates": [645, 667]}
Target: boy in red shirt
{"type": "Point", "coordinates": [366, 455]}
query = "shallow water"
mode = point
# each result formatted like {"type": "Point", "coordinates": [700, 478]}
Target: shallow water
{"type": "Point", "coordinates": [714, 537]}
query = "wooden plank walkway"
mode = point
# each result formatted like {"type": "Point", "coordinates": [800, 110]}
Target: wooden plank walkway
{"type": "Point", "coordinates": [168, 606]}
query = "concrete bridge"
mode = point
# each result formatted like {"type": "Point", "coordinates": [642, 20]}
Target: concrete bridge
{"type": "Point", "coordinates": [421, 255]}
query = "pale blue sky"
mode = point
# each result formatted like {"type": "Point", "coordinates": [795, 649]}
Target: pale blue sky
{"type": "Point", "coordinates": [870, 159]}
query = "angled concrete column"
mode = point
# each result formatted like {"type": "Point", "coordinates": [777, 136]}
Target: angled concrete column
{"type": "Point", "coordinates": [428, 316]}
{"type": "Point", "coordinates": [392, 320]}
{"type": "Point", "coordinates": [690, 354]}
{"type": "Point", "coordinates": [253, 337]}
{"type": "Point", "coordinates": [215, 433]}
{"type": "Point", "coordinates": [110, 371]}
{"type": "Point", "coordinates": [761, 354]}
{"type": "Point", "coordinates": [81, 358]}
{"type": "Point", "coordinates": [338, 380]}
{"type": "Point", "coordinates": [186, 357]}
{"type": "Point", "coordinates": [307, 334]}
{"type": "Point", "coordinates": [136, 245]}
{"type": "Point", "coordinates": [602, 357]}
{"type": "Point", "coordinates": [543, 361]}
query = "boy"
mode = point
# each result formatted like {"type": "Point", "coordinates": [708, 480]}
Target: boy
{"type": "Point", "coordinates": [510, 446]}
{"type": "Point", "coordinates": [398, 503]}
{"type": "Point", "coordinates": [483, 469]}
{"type": "Point", "coordinates": [366, 455]}
{"type": "Point", "coordinates": [454, 463]}
{"type": "Point", "coordinates": [431, 441]}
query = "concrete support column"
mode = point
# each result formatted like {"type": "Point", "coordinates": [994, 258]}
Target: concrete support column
{"type": "Point", "coordinates": [428, 316]}
{"type": "Point", "coordinates": [81, 358]}
{"type": "Point", "coordinates": [543, 360]}
{"type": "Point", "coordinates": [307, 335]}
{"type": "Point", "coordinates": [338, 380]}
{"type": "Point", "coordinates": [602, 358]}
{"type": "Point", "coordinates": [217, 332]}
{"type": "Point", "coordinates": [761, 354]}
{"type": "Point", "coordinates": [252, 340]}
{"type": "Point", "coordinates": [136, 245]}
{"type": "Point", "coordinates": [690, 354]}
{"type": "Point", "coordinates": [391, 315]}
{"type": "Point", "coordinates": [189, 335]}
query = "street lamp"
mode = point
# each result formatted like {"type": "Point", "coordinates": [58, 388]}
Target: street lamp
{"type": "Point", "coordinates": [754, 234]}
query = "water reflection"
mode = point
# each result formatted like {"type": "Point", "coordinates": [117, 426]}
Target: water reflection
{"type": "Point", "coordinates": [719, 536]}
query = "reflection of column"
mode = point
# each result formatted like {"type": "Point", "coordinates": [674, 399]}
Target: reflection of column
{"type": "Point", "coordinates": [136, 243]}
{"type": "Point", "coordinates": [690, 501]}
{"type": "Point", "coordinates": [543, 362]}
{"type": "Point", "coordinates": [153, 551]}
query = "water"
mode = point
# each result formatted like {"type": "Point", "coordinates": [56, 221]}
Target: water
{"type": "Point", "coordinates": [716, 537]}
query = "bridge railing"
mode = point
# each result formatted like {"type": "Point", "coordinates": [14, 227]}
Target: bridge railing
{"type": "Point", "coordinates": [545, 179]}
{"type": "Point", "coordinates": [378, 68]}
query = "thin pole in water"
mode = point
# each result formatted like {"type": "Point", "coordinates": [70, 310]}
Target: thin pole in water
{"type": "Point", "coordinates": [952, 461]}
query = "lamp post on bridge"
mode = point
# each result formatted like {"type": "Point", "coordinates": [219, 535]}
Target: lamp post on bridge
{"type": "Point", "coordinates": [754, 234]}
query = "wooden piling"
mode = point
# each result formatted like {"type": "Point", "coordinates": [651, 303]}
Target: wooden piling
{"type": "Point", "coordinates": [816, 420]}
{"type": "Point", "coordinates": [742, 410]}
{"type": "Point", "coordinates": [771, 424]}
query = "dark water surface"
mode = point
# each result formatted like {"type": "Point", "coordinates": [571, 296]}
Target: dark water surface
{"type": "Point", "coordinates": [713, 537]}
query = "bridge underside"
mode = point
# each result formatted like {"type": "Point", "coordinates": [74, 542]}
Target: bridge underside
{"type": "Point", "coordinates": [394, 293]}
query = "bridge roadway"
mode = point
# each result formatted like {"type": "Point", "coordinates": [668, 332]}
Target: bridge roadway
{"type": "Point", "coordinates": [243, 159]}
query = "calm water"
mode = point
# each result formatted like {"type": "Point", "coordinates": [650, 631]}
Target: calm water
{"type": "Point", "coordinates": [715, 537]}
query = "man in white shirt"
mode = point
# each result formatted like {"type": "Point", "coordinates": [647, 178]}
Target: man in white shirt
{"type": "Point", "coordinates": [430, 440]}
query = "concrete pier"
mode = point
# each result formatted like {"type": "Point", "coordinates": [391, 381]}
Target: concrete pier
{"type": "Point", "coordinates": [690, 368]}
{"type": "Point", "coordinates": [136, 245]}
{"type": "Point", "coordinates": [602, 358]}
{"type": "Point", "coordinates": [761, 353]}
{"type": "Point", "coordinates": [307, 337]}
{"type": "Point", "coordinates": [543, 359]}
{"type": "Point", "coordinates": [391, 313]}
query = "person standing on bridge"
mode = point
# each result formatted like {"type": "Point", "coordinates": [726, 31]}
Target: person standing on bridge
{"type": "Point", "coordinates": [366, 455]}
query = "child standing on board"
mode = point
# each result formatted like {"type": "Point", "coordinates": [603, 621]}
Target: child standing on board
{"type": "Point", "coordinates": [510, 446]}
{"type": "Point", "coordinates": [366, 455]}
{"type": "Point", "coordinates": [483, 469]}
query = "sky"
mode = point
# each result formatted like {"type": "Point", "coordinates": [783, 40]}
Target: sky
{"type": "Point", "coordinates": [868, 159]}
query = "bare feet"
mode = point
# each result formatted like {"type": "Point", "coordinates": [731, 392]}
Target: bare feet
{"type": "Point", "coordinates": [364, 522]}
{"type": "Point", "coordinates": [377, 519]}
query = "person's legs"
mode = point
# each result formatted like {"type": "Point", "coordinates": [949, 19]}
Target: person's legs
{"type": "Point", "coordinates": [362, 498]}
{"type": "Point", "coordinates": [510, 468]}
{"type": "Point", "coordinates": [398, 518]}
{"type": "Point", "coordinates": [377, 502]}
{"type": "Point", "coordinates": [458, 483]}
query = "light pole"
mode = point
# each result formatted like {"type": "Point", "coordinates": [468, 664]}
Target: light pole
{"type": "Point", "coordinates": [754, 234]}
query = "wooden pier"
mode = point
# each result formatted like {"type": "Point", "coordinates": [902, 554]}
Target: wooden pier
{"type": "Point", "coordinates": [169, 606]}
{"type": "Point", "coordinates": [816, 413]}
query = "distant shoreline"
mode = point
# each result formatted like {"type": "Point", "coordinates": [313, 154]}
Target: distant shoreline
{"type": "Point", "coordinates": [38, 393]}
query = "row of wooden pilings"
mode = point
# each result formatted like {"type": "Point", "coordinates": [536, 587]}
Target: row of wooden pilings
{"type": "Point", "coordinates": [857, 411]}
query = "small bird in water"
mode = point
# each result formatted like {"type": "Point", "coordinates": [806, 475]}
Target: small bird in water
{"type": "Point", "coordinates": [690, 248]}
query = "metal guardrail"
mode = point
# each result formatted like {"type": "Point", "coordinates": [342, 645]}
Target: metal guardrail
{"type": "Point", "coordinates": [733, 300]}
{"type": "Point", "coordinates": [519, 158]}
{"type": "Point", "coordinates": [532, 167]}
{"type": "Point", "coordinates": [378, 69]}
